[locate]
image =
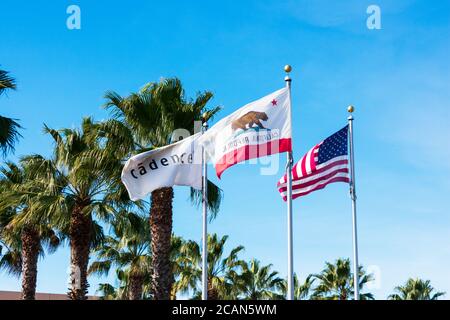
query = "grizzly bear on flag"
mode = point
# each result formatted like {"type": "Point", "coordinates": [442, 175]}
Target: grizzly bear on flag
{"type": "Point", "coordinates": [250, 118]}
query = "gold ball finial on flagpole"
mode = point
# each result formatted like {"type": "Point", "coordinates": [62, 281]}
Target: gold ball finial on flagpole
{"type": "Point", "coordinates": [351, 109]}
{"type": "Point", "coordinates": [287, 69]}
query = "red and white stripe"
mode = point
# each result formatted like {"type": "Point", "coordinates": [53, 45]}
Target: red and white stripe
{"type": "Point", "coordinates": [308, 176]}
{"type": "Point", "coordinates": [251, 152]}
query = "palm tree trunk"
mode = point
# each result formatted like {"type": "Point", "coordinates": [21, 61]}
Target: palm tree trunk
{"type": "Point", "coordinates": [80, 240]}
{"type": "Point", "coordinates": [212, 292]}
{"type": "Point", "coordinates": [136, 283]}
{"type": "Point", "coordinates": [30, 252]}
{"type": "Point", "coordinates": [161, 231]}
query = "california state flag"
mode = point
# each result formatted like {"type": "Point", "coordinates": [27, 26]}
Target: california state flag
{"type": "Point", "coordinates": [258, 129]}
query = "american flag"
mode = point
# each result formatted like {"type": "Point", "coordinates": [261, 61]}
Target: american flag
{"type": "Point", "coordinates": [325, 163]}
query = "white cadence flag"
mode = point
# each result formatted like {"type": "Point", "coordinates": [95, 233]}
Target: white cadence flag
{"type": "Point", "coordinates": [258, 129]}
{"type": "Point", "coordinates": [176, 164]}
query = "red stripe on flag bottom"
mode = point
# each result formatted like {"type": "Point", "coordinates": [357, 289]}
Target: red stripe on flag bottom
{"type": "Point", "coordinates": [314, 181]}
{"type": "Point", "coordinates": [325, 168]}
{"type": "Point", "coordinates": [319, 187]}
{"type": "Point", "coordinates": [251, 152]}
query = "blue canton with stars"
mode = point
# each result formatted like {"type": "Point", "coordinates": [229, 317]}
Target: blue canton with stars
{"type": "Point", "coordinates": [334, 146]}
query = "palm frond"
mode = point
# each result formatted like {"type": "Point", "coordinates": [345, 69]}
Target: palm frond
{"type": "Point", "coordinates": [9, 134]}
{"type": "Point", "coordinates": [6, 82]}
{"type": "Point", "coordinates": [214, 198]}
{"type": "Point", "coordinates": [11, 262]}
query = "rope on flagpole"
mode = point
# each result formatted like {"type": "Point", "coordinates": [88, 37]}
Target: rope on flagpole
{"type": "Point", "coordinates": [351, 109]}
{"type": "Point", "coordinates": [290, 280]}
{"type": "Point", "coordinates": [204, 217]}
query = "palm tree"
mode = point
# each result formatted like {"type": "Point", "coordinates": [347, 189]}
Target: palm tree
{"type": "Point", "coordinates": [9, 128]}
{"type": "Point", "coordinates": [87, 178]}
{"type": "Point", "coordinates": [336, 282]}
{"type": "Point", "coordinates": [258, 282]}
{"type": "Point", "coordinates": [416, 289]}
{"type": "Point", "coordinates": [222, 270]}
{"type": "Point", "coordinates": [121, 292]}
{"type": "Point", "coordinates": [146, 120]}
{"type": "Point", "coordinates": [128, 248]}
{"type": "Point", "coordinates": [301, 291]}
{"type": "Point", "coordinates": [25, 237]}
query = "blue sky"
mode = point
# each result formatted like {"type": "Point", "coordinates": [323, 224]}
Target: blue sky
{"type": "Point", "coordinates": [397, 78]}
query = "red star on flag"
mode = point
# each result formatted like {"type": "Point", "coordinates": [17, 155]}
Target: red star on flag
{"type": "Point", "coordinates": [274, 102]}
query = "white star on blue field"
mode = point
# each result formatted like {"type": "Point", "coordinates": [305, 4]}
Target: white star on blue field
{"type": "Point", "coordinates": [398, 79]}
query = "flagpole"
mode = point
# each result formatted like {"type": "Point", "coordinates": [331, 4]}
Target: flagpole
{"type": "Point", "coordinates": [290, 282]}
{"type": "Point", "coordinates": [353, 197]}
{"type": "Point", "coordinates": [204, 219]}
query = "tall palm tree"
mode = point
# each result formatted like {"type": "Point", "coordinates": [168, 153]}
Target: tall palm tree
{"type": "Point", "coordinates": [416, 289]}
{"type": "Point", "coordinates": [302, 291]}
{"type": "Point", "coordinates": [127, 248]}
{"type": "Point", "coordinates": [144, 120]}
{"type": "Point", "coordinates": [88, 180]}
{"type": "Point", "coordinates": [258, 282]}
{"type": "Point", "coordinates": [9, 128]}
{"type": "Point", "coordinates": [222, 270]}
{"type": "Point", "coordinates": [336, 282]}
{"type": "Point", "coordinates": [26, 238]}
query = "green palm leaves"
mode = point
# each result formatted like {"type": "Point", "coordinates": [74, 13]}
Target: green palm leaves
{"type": "Point", "coordinates": [153, 113]}
{"type": "Point", "coordinates": [9, 128]}
{"type": "Point", "coordinates": [258, 282]}
{"type": "Point", "coordinates": [6, 82]}
{"type": "Point", "coordinates": [221, 268]}
{"type": "Point", "coordinates": [302, 291]}
{"type": "Point", "coordinates": [335, 282]}
{"type": "Point", "coordinates": [128, 249]}
{"type": "Point", "coordinates": [416, 289]}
